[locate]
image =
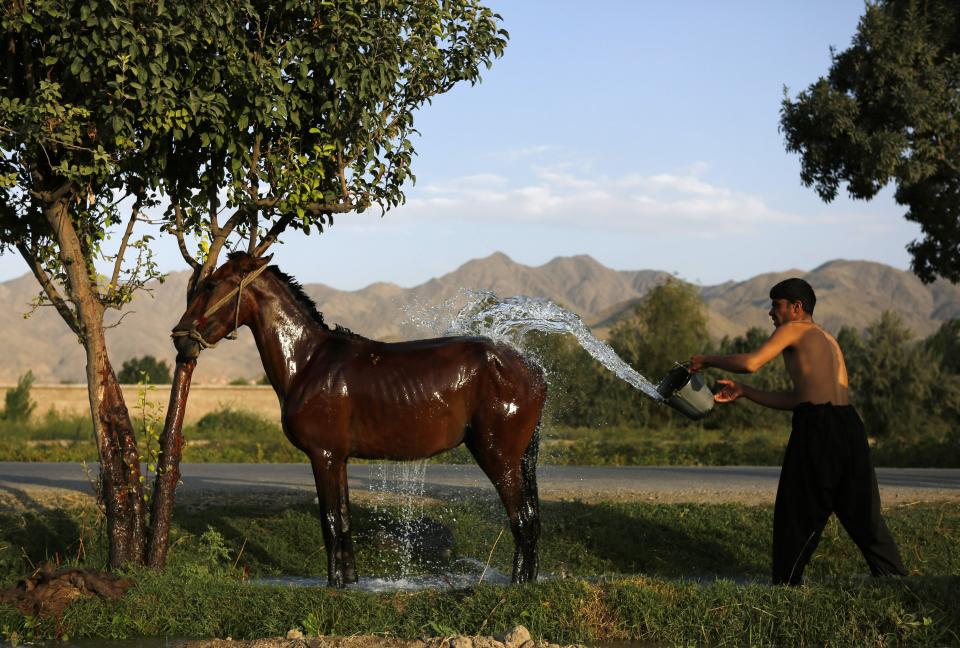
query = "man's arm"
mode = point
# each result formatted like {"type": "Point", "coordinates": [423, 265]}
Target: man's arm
{"type": "Point", "coordinates": [731, 391]}
{"type": "Point", "coordinates": [782, 337]}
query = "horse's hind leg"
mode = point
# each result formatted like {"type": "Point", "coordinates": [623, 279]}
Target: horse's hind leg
{"type": "Point", "coordinates": [330, 476]}
{"type": "Point", "coordinates": [514, 477]}
{"type": "Point", "coordinates": [346, 536]}
{"type": "Point", "coordinates": [530, 509]}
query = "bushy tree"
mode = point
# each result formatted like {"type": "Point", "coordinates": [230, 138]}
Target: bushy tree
{"type": "Point", "coordinates": [668, 325]}
{"type": "Point", "coordinates": [145, 368]}
{"type": "Point", "coordinates": [18, 406]}
{"type": "Point", "coordinates": [944, 346]}
{"type": "Point", "coordinates": [891, 379]}
{"type": "Point", "coordinates": [888, 111]}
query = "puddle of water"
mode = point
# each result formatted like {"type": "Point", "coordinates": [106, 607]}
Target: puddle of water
{"type": "Point", "coordinates": [469, 573]}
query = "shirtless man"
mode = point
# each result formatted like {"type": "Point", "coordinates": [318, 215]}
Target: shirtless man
{"type": "Point", "coordinates": [826, 468]}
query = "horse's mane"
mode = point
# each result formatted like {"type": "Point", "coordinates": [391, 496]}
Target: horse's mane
{"type": "Point", "coordinates": [304, 299]}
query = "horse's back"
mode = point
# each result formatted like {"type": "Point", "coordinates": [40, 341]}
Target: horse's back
{"type": "Point", "coordinates": [409, 399]}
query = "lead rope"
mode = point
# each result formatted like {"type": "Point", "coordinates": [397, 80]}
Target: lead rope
{"type": "Point", "coordinates": [195, 335]}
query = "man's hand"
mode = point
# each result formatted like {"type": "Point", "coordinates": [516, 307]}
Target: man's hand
{"type": "Point", "coordinates": [697, 363]}
{"type": "Point", "coordinates": [730, 392]}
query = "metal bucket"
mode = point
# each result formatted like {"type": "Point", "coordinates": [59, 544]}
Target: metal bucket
{"type": "Point", "coordinates": [686, 392]}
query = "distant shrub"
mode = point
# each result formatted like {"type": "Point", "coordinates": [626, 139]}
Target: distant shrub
{"type": "Point", "coordinates": [18, 407]}
{"type": "Point", "coordinates": [239, 381]}
{"type": "Point", "coordinates": [146, 369]}
{"type": "Point", "coordinates": [230, 423]}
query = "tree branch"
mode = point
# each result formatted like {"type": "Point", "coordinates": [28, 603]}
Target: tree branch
{"type": "Point", "coordinates": [181, 243]}
{"type": "Point", "coordinates": [271, 237]}
{"type": "Point", "coordinates": [336, 208]}
{"type": "Point", "coordinates": [314, 208]}
{"type": "Point", "coordinates": [118, 262]}
{"type": "Point", "coordinates": [254, 191]}
{"type": "Point", "coordinates": [49, 288]}
{"type": "Point", "coordinates": [57, 194]}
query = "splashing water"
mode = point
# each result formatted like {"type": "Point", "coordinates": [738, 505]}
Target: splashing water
{"type": "Point", "coordinates": [404, 483]}
{"type": "Point", "coordinates": [509, 319]}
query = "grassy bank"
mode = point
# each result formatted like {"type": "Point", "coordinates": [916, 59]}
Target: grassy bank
{"type": "Point", "coordinates": [677, 574]}
{"type": "Point", "coordinates": [237, 436]}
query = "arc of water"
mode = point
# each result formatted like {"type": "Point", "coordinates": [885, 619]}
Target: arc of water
{"type": "Point", "coordinates": [509, 319]}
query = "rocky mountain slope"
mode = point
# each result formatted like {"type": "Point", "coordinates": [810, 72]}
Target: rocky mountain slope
{"type": "Point", "coordinates": [850, 293]}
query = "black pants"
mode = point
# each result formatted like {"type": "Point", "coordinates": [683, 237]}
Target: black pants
{"type": "Point", "coordinates": [827, 469]}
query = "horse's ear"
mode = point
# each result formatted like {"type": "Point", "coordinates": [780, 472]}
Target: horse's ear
{"type": "Point", "coordinates": [262, 261]}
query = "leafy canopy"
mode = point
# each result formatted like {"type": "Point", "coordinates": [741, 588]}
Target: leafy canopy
{"type": "Point", "coordinates": [306, 109]}
{"type": "Point", "coordinates": [282, 113]}
{"type": "Point", "coordinates": [889, 111]}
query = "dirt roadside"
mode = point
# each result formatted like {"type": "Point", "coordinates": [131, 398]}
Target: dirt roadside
{"type": "Point", "coordinates": [518, 637]}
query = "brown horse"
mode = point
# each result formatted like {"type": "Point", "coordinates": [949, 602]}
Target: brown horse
{"type": "Point", "coordinates": [342, 396]}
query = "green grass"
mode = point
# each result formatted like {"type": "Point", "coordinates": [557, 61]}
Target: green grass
{"type": "Point", "coordinates": [677, 574]}
{"type": "Point", "coordinates": [236, 436]}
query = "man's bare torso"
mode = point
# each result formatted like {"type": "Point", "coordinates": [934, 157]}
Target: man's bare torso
{"type": "Point", "coordinates": [815, 364]}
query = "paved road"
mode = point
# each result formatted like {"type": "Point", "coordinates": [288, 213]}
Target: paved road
{"type": "Point", "coordinates": [729, 483]}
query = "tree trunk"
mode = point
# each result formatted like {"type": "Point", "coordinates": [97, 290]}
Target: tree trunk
{"type": "Point", "coordinates": [168, 466]}
{"type": "Point", "coordinates": [120, 485]}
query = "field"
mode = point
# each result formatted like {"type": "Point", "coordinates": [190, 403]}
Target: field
{"type": "Point", "coordinates": [671, 574]}
{"type": "Point", "coordinates": [675, 574]}
{"type": "Point", "coordinates": [72, 400]}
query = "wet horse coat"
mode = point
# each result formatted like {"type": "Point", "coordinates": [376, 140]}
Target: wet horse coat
{"type": "Point", "coordinates": [342, 395]}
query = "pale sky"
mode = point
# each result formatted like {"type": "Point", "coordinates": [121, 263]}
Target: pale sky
{"type": "Point", "coordinates": [642, 133]}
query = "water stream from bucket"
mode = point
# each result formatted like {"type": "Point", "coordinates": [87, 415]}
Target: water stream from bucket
{"type": "Point", "coordinates": [509, 319]}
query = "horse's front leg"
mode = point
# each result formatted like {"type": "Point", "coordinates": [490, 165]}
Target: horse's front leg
{"type": "Point", "coordinates": [328, 472]}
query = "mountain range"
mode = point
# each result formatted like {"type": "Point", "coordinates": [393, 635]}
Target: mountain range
{"type": "Point", "coordinates": [851, 293]}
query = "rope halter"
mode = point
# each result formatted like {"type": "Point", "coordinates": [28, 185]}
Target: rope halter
{"type": "Point", "coordinates": [195, 335]}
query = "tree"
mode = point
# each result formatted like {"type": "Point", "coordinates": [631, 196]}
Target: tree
{"type": "Point", "coordinates": [668, 325]}
{"type": "Point", "coordinates": [889, 111]}
{"type": "Point", "coordinates": [145, 368]}
{"type": "Point", "coordinates": [904, 389]}
{"type": "Point", "coordinates": [294, 111]}
{"type": "Point", "coordinates": [892, 380]}
{"type": "Point", "coordinates": [18, 405]}
{"type": "Point", "coordinates": [305, 110]}
{"type": "Point", "coordinates": [944, 345]}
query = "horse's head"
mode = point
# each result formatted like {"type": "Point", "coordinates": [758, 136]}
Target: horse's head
{"type": "Point", "coordinates": [219, 306]}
